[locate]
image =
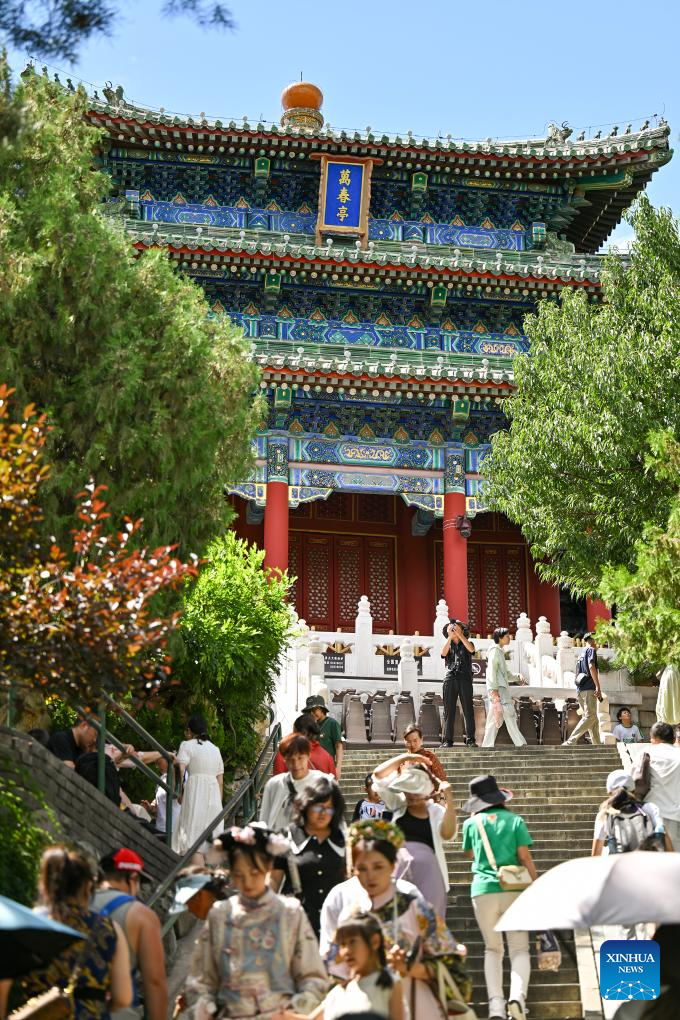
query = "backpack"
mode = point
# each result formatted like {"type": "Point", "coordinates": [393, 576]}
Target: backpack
{"type": "Point", "coordinates": [628, 830]}
{"type": "Point", "coordinates": [582, 671]}
{"type": "Point", "coordinates": [642, 774]}
{"type": "Point", "coordinates": [86, 766]}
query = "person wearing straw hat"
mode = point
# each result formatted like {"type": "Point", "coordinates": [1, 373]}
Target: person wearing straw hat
{"type": "Point", "coordinates": [408, 788]}
{"type": "Point", "coordinates": [495, 837]}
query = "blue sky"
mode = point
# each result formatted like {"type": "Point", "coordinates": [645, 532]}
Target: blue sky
{"type": "Point", "coordinates": [472, 70]}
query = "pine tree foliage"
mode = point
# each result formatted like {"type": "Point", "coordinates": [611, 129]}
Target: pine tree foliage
{"type": "Point", "coordinates": [600, 380]}
{"type": "Point", "coordinates": [57, 28]}
{"type": "Point", "coordinates": [143, 390]}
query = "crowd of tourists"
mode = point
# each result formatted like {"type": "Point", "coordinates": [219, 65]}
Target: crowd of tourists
{"type": "Point", "coordinates": [317, 911]}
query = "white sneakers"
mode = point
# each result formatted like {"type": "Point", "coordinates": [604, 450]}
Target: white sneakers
{"type": "Point", "coordinates": [516, 1010]}
{"type": "Point", "coordinates": [497, 1009]}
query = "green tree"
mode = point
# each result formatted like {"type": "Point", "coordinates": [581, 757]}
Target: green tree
{"type": "Point", "coordinates": [27, 826]}
{"type": "Point", "coordinates": [235, 622]}
{"type": "Point", "coordinates": [56, 28]}
{"type": "Point", "coordinates": [571, 470]}
{"type": "Point", "coordinates": [143, 391]}
{"type": "Point", "coordinates": [647, 597]}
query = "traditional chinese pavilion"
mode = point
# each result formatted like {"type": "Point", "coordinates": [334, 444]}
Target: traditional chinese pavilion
{"type": "Point", "coordinates": [383, 281]}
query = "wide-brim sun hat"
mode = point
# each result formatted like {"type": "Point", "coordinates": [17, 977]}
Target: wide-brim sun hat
{"type": "Point", "coordinates": [485, 792]}
{"type": "Point", "coordinates": [619, 779]}
{"type": "Point", "coordinates": [187, 888]}
{"type": "Point", "coordinates": [412, 780]}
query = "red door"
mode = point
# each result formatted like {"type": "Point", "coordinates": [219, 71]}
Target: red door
{"type": "Point", "coordinates": [497, 585]}
{"type": "Point", "coordinates": [334, 571]}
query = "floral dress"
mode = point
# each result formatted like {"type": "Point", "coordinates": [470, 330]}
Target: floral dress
{"type": "Point", "coordinates": [254, 958]}
{"type": "Point", "coordinates": [93, 987]}
{"type": "Point", "coordinates": [403, 917]}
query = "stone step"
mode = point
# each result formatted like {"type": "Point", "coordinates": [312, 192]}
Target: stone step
{"type": "Point", "coordinates": [533, 798]}
{"type": "Point", "coordinates": [460, 752]}
{"type": "Point", "coordinates": [558, 792]}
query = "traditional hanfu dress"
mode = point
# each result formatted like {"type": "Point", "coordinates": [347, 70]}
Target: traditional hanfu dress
{"type": "Point", "coordinates": [403, 917]}
{"type": "Point", "coordinates": [254, 958]}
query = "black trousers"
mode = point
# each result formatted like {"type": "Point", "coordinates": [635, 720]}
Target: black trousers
{"type": "Point", "coordinates": [455, 687]}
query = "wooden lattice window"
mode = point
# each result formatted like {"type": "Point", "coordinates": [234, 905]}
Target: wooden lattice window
{"type": "Point", "coordinates": [338, 507]}
{"type": "Point", "coordinates": [373, 508]}
{"type": "Point", "coordinates": [380, 581]}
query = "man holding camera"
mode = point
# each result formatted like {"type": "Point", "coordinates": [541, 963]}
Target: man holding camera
{"type": "Point", "coordinates": [457, 653]}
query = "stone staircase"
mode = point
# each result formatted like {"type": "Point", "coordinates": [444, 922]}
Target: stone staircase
{"type": "Point", "coordinates": [557, 791]}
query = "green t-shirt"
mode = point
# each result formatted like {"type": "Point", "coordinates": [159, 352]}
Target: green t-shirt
{"type": "Point", "coordinates": [331, 734]}
{"type": "Point", "coordinates": [506, 831]}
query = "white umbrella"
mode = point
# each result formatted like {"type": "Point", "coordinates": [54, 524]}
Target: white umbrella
{"type": "Point", "coordinates": [627, 888]}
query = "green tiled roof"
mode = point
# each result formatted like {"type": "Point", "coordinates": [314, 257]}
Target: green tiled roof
{"type": "Point", "coordinates": [553, 268]}
{"type": "Point", "coordinates": [553, 147]}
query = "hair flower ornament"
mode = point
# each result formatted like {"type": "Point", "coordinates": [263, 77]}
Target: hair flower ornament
{"type": "Point", "coordinates": [278, 845]}
{"type": "Point", "coordinates": [245, 835]}
{"type": "Point", "coordinates": [377, 830]}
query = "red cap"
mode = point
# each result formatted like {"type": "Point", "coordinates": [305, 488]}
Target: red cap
{"type": "Point", "coordinates": [123, 860]}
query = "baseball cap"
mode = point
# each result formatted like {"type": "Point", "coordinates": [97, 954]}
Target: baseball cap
{"type": "Point", "coordinates": [619, 779]}
{"type": "Point", "coordinates": [124, 860]}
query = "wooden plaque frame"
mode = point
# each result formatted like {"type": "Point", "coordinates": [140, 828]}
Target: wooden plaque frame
{"type": "Point", "coordinates": [333, 228]}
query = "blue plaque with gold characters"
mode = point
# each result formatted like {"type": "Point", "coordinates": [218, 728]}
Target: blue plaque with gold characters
{"type": "Point", "coordinates": [344, 184]}
{"type": "Point", "coordinates": [344, 196]}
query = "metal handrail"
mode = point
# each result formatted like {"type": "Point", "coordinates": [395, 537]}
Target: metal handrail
{"type": "Point", "coordinates": [247, 792]}
{"type": "Point", "coordinates": [98, 721]}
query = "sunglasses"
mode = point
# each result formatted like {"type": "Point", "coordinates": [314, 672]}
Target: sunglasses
{"type": "Point", "coordinates": [321, 809]}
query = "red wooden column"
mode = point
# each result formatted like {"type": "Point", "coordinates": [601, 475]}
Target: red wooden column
{"type": "Point", "coordinates": [596, 610]}
{"type": "Point", "coordinates": [276, 507]}
{"type": "Point", "coordinates": [455, 546]}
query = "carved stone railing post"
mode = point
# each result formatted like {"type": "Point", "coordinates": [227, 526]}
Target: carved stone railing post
{"type": "Point", "coordinates": [566, 657]}
{"type": "Point", "coordinates": [605, 720]}
{"type": "Point", "coordinates": [440, 621]}
{"type": "Point", "coordinates": [523, 636]}
{"type": "Point", "coordinates": [408, 673]}
{"type": "Point", "coordinates": [543, 643]}
{"type": "Point", "coordinates": [317, 666]}
{"type": "Point", "coordinates": [364, 638]}
{"type": "Point", "coordinates": [300, 654]}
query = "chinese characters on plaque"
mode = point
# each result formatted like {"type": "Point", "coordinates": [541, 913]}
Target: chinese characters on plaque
{"type": "Point", "coordinates": [344, 197]}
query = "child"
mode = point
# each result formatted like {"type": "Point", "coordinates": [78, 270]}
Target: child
{"type": "Point", "coordinates": [626, 730]}
{"type": "Point", "coordinates": [370, 807]}
{"type": "Point", "coordinates": [372, 988]}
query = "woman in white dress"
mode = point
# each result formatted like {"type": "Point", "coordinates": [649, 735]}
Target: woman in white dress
{"type": "Point", "coordinates": [200, 760]}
